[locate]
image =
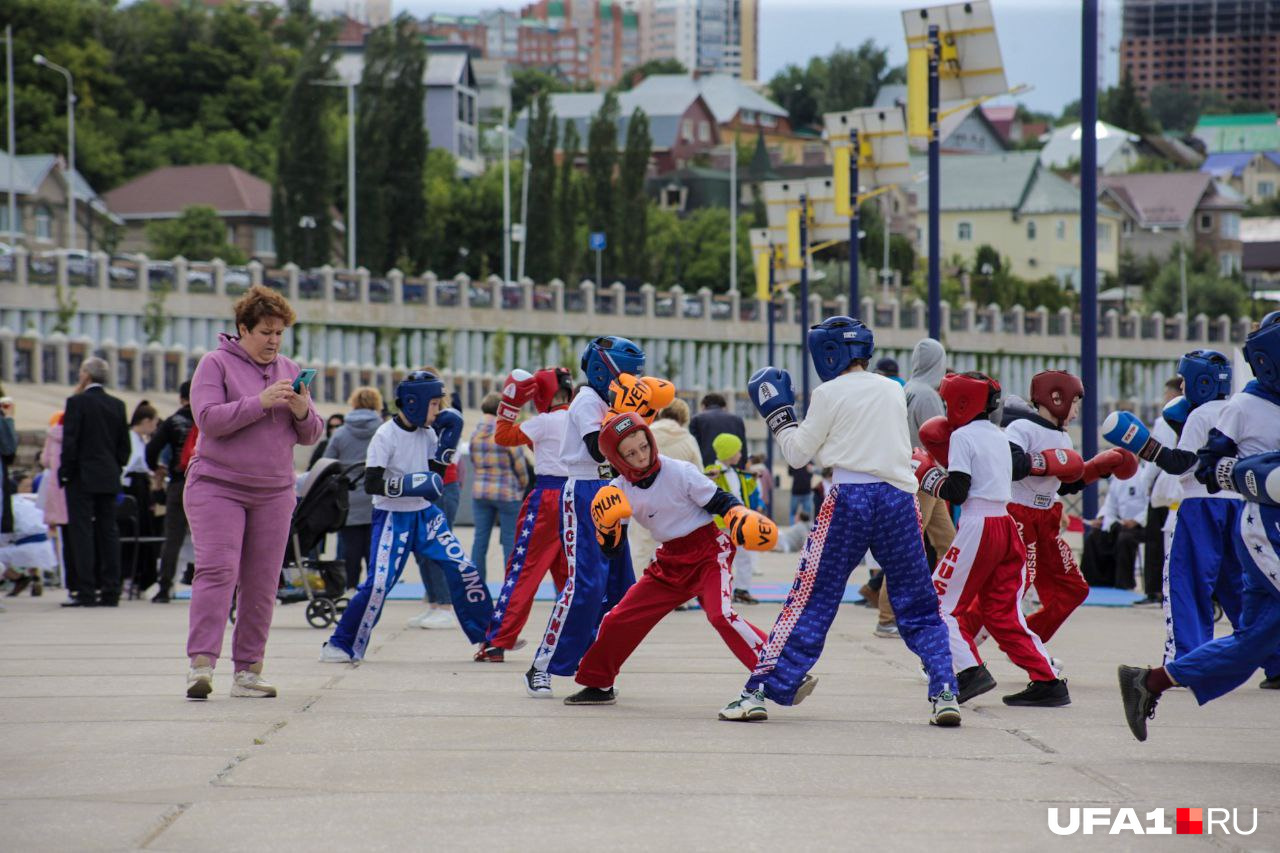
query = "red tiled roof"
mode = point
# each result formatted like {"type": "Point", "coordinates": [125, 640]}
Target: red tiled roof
{"type": "Point", "coordinates": [169, 189]}
{"type": "Point", "coordinates": [1167, 198]}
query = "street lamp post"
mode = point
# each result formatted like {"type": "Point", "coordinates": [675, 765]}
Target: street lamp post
{"type": "Point", "coordinates": [71, 146]}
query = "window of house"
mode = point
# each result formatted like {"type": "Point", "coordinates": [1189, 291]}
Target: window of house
{"type": "Point", "coordinates": [1231, 226]}
{"type": "Point", "coordinates": [1266, 189]}
{"type": "Point", "coordinates": [1127, 228]}
{"type": "Point", "coordinates": [1060, 229]}
{"type": "Point", "coordinates": [462, 107]}
{"type": "Point", "coordinates": [1031, 230]}
{"type": "Point", "coordinates": [686, 130]}
{"type": "Point", "coordinates": [704, 131]}
{"type": "Point", "coordinates": [44, 223]}
{"type": "Point", "coordinates": [4, 219]}
{"type": "Point", "coordinates": [1228, 263]}
{"type": "Point", "coordinates": [964, 231]}
{"type": "Point", "coordinates": [1104, 234]}
{"type": "Point", "coordinates": [1206, 222]}
{"type": "Point", "coordinates": [264, 241]}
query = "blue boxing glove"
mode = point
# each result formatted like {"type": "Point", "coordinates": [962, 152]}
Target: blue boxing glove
{"type": "Point", "coordinates": [1123, 429]}
{"type": "Point", "coordinates": [448, 427]}
{"type": "Point", "coordinates": [423, 484]}
{"type": "Point", "coordinates": [774, 397]}
{"type": "Point", "coordinates": [1256, 478]}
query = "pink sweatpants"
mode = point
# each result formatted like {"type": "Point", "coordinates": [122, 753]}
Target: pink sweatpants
{"type": "Point", "coordinates": [239, 536]}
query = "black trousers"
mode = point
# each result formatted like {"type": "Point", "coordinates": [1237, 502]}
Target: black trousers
{"type": "Point", "coordinates": [1153, 557]}
{"type": "Point", "coordinates": [175, 532]}
{"type": "Point", "coordinates": [95, 542]}
{"type": "Point", "coordinates": [1109, 556]}
{"type": "Point", "coordinates": [144, 575]}
{"type": "Point", "coordinates": [353, 541]}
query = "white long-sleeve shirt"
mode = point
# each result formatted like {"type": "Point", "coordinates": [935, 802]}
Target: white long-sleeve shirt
{"type": "Point", "coordinates": [1126, 500]}
{"type": "Point", "coordinates": [856, 422]}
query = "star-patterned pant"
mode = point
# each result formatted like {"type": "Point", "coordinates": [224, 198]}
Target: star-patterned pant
{"type": "Point", "coordinates": [699, 565]}
{"type": "Point", "coordinates": [1201, 566]}
{"type": "Point", "coordinates": [539, 549]}
{"type": "Point", "coordinates": [853, 518]}
{"type": "Point", "coordinates": [395, 536]}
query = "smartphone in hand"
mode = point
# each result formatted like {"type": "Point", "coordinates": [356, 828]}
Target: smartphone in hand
{"type": "Point", "coordinates": [305, 377]}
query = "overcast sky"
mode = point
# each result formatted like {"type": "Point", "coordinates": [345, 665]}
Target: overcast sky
{"type": "Point", "coordinates": [1039, 39]}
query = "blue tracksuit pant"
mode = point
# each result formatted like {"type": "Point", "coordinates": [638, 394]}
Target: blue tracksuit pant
{"type": "Point", "coordinates": [593, 583]}
{"type": "Point", "coordinates": [1204, 564]}
{"type": "Point", "coordinates": [395, 536]}
{"type": "Point", "coordinates": [1222, 665]}
{"type": "Point", "coordinates": [853, 518]}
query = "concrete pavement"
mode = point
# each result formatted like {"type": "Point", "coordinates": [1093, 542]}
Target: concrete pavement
{"type": "Point", "coordinates": [419, 748]}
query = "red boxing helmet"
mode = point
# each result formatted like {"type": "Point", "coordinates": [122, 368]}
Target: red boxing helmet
{"type": "Point", "coordinates": [968, 396]}
{"type": "Point", "coordinates": [1067, 387]}
{"type": "Point", "coordinates": [613, 431]}
{"type": "Point", "coordinates": [547, 382]}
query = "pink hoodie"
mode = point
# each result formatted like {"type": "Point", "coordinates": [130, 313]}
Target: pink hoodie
{"type": "Point", "coordinates": [239, 442]}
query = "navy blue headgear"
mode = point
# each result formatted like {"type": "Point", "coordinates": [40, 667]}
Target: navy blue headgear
{"type": "Point", "coordinates": [1206, 375]}
{"type": "Point", "coordinates": [606, 357]}
{"type": "Point", "coordinates": [837, 341]}
{"type": "Point", "coordinates": [414, 394]}
{"type": "Point", "coordinates": [1262, 351]}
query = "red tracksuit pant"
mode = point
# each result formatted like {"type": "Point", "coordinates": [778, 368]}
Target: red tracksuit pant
{"type": "Point", "coordinates": [539, 549]}
{"type": "Point", "coordinates": [697, 565]}
{"type": "Point", "coordinates": [984, 570]}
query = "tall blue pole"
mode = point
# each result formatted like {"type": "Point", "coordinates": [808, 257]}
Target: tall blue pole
{"type": "Point", "coordinates": [804, 299]}
{"type": "Point", "coordinates": [768, 306]}
{"type": "Point", "coordinates": [854, 304]}
{"type": "Point", "coordinates": [1088, 241]}
{"type": "Point", "coordinates": [935, 193]}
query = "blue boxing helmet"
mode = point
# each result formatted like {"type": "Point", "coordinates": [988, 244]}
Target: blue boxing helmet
{"type": "Point", "coordinates": [836, 342]}
{"type": "Point", "coordinates": [1206, 375]}
{"type": "Point", "coordinates": [414, 394]}
{"type": "Point", "coordinates": [608, 356]}
{"type": "Point", "coordinates": [1262, 351]}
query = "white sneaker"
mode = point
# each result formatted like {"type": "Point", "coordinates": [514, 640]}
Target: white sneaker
{"type": "Point", "coordinates": [199, 682]}
{"type": "Point", "coordinates": [333, 654]}
{"type": "Point", "coordinates": [416, 621]}
{"type": "Point", "coordinates": [805, 688]}
{"type": "Point", "coordinates": [747, 708]}
{"type": "Point", "coordinates": [537, 683]}
{"type": "Point", "coordinates": [946, 710]}
{"type": "Point", "coordinates": [438, 619]}
{"type": "Point", "coordinates": [249, 685]}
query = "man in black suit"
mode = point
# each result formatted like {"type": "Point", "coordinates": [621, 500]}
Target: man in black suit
{"type": "Point", "coordinates": [714, 419]}
{"type": "Point", "coordinates": [95, 449]}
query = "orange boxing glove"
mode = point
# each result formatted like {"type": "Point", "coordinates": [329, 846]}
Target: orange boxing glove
{"type": "Point", "coordinates": [645, 395]}
{"type": "Point", "coordinates": [608, 508]}
{"type": "Point", "coordinates": [751, 530]}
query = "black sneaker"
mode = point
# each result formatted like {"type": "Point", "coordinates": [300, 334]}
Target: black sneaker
{"type": "Point", "coordinates": [490, 654]}
{"type": "Point", "coordinates": [592, 696]}
{"type": "Point", "coordinates": [161, 597]}
{"type": "Point", "coordinates": [1139, 702]}
{"type": "Point", "coordinates": [742, 596]}
{"type": "Point", "coordinates": [1272, 683]}
{"type": "Point", "coordinates": [974, 681]}
{"type": "Point", "coordinates": [1042, 694]}
{"type": "Point", "coordinates": [189, 574]}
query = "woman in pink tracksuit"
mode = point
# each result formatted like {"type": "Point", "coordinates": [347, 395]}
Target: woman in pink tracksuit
{"type": "Point", "coordinates": [239, 494]}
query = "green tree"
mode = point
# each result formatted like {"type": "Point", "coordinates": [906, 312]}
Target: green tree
{"type": "Point", "coordinates": [633, 77]}
{"type": "Point", "coordinates": [1174, 108]}
{"type": "Point", "coordinates": [602, 162]}
{"type": "Point", "coordinates": [303, 190]}
{"type": "Point", "coordinates": [633, 204]}
{"type": "Point", "coordinates": [1207, 292]}
{"type": "Point", "coordinates": [1123, 108]}
{"type": "Point", "coordinates": [540, 230]}
{"type": "Point", "coordinates": [528, 83]}
{"type": "Point", "coordinates": [198, 234]}
{"type": "Point", "coordinates": [568, 208]}
{"type": "Point", "coordinates": [844, 79]}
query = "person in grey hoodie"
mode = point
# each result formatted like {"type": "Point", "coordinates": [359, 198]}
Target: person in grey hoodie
{"type": "Point", "coordinates": [928, 367]}
{"type": "Point", "coordinates": [349, 445]}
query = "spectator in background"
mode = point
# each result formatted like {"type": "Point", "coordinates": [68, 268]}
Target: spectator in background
{"type": "Point", "coordinates": [1153, 530]}
{"type": "Point", "coordinates": [801, 491]}
{"type": "Point", "coordinates": [137, 484]}
{"type": "Point", "coordinates": [791, 538]}
{"type": "Point", "coordinates": [1112, 540]}
{"type": "Point", "coordinates": [331, 426]}
{"type": "Point", "coordinates": [239, 494]}
{"type": "Point", "coordinates": [439, 612]}
{"type": "Point", "coordinates": [349, 444]}
{"type": "Point", "coordinates": [51, 498]}
{"type": "Point", "coordinates": [928, 367]}
{"type": "Point", "coordinates": [95, 448]}
{"type": "Point", "coordinates": [171, 436]}
{"type": "Point", "coordinates": [713, 420]}
{"type": "Point", "coordinates": [757, 468]}
{"type": "Point", "coordinates": [498, 480]}
{"type": "Point", "coordinates": [8, 452]}
{"type": "Point", "coordinates": [889, 367]}
{"type": "Point", "coordinates": [671, 435]}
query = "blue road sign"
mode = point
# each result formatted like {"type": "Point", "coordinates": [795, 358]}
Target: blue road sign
{"type": "Point", "coordinates": [597, 243]}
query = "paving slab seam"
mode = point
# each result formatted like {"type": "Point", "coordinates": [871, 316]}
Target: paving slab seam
{"type": "Point", "coordinates": [1122, 790]}
{"type": "Point", "coordinates": [166, 820]}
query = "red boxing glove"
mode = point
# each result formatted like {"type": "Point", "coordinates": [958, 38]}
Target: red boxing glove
{"type": "Point", "coordinates": [1066, 465]}
{"type": "Point", "coordinates": [935, 435]}
{"type": "Point", "coordinates": [928, 474]}
{"type": "Point", "coordinates": [1116, 460]}
{"type": "Point", "coordinates": [517, 390]}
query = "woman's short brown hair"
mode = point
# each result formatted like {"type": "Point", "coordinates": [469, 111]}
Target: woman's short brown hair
{"type": "Point", "coordinates": [366, 398]}
{"type": "Point", "coordinates": [678, 411]}
{"type": "Point", "coordinates": [260, 302]}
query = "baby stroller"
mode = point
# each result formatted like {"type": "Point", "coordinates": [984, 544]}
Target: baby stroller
{"type": "Point", "coordinates": [321, 509]}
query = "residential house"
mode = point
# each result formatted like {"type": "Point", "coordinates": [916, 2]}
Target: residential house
{"type": "Point", "coordinates": [40, 187]}
{"type": "Point", "coordinates": [1260, 236]}
{"type": "Point", "coordinates": [1163, 211]}
{"type": "Point", "coordinates": [961, 130]}
{"type": "Point", "coordinates": [1253, 174]}
{"type": "Point", "coordinates": [242, 201]}
{"type": "Point", "coordinates": [680, 129]}
{"type": "Point", "coordinates": [1004, 119]}
{"type": "Point", "coordinates": [1117, 149]}
{"type": "Point", "coordinates": [451, 106]}
{"type": "Point", "coordinates": [1023, 210]}
{"type": "Point", "coordinates": [1245, 132]}
{"type": "Point", "coordinates": [493, 84]}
